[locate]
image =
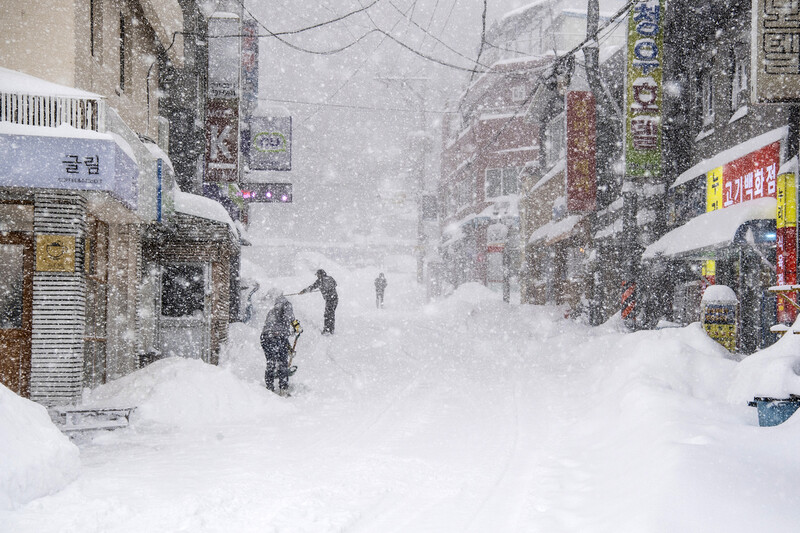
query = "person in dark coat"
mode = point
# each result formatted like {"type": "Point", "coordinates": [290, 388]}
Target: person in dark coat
{"type": "Point", "coordinates": [327, 286]}
{"type": "Point", "coordinates": [380, 286]}
{"type": "Point", "coordinates": [279, 325]}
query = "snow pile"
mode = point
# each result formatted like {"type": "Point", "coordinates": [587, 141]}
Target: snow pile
{"type": "Point", "coordinates": [773, 372]}
{"type": "Point", "coordinates": [187, 394]}
{"type": "Point", "coordinates": [35, 458]}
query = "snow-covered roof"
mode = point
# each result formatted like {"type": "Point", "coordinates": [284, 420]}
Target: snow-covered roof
{"type": "Point", "coordinates": [732, 154]}
{"type": "Point", "coordinates": [63, 130]}
{"type": "Point", "coordinates": [559, 167]}
{"type": "Point", "coordinates": [712, 229]}
{"type": "Point", "coordinates": [553, 231]}
{"type": "Point", "coordinates": [200, 206]}
{"type": "Point", "coordinates": [12, 81]}
{"type": "Point", "coordinates": [158, 153]}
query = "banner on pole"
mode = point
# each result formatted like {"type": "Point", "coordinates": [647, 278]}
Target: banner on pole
{"type": "Point", "coordinates": [643, 94]}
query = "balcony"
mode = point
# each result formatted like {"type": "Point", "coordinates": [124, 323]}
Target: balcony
{"type": "Point", "coordinates": [30, 101]}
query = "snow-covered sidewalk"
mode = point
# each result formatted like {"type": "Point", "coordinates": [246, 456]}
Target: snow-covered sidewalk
{"type": "Point", "coordinates": [460, 415]}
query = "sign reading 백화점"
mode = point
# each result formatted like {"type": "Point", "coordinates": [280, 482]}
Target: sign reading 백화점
{"type": "Point", "coordinates": [271, 143]}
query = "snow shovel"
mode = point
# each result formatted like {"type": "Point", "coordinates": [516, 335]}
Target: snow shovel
{"type": "Point", "coordinates": [293, 369]}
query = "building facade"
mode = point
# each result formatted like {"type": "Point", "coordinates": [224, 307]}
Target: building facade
{"type": "Point", "coordinates": [87, 180]}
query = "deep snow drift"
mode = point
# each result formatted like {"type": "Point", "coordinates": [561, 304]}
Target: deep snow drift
{"type": "Point", "coordinates": [464, 414]}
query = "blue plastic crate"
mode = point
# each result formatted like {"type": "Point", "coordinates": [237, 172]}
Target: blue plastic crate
{"type": "Point", "coordinates": [774, 411]}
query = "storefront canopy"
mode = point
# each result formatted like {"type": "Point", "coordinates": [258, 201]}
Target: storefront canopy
{"type": "Point", "coordinates": [553, 232]}
{"type": "Point", "coordinates": [707, 235]}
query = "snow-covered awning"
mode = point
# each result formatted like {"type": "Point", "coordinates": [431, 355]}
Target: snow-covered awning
{"type": "Point", "coordinates": [726, 156]}
{"type": "Point", "coordinates": [12, 81]}
{"type": "Point", "coordinates": [703, 235]}
{"type": "Point", "coordinates": [553, 232]}
{"type": "Point", "coordinates": [202, 207]}
{"type": "Point", "coordinates": [68, 158]}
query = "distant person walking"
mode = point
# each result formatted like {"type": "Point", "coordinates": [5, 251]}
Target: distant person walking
{"type": "Point", "coordinates": [380, 287]}
{"type": "Point", "coordinates": [327, 286]}
{"type": "Point", "coordinates": [278, 326]}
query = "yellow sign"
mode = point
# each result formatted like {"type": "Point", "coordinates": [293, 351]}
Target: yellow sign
{"type": "Point", "coordinates": [709, 268]}
{"type": "Point", "coordinates": [55, 253]}
{"type": "Point", "coordinates": [787, 201]}
{"type": "Point", "coordinates": [725, 334]}
{"type": "Point", "coordinates": [714, 189]}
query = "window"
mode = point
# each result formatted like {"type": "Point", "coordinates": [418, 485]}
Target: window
{"type": "Point", "coordinates": [494, 182]}
{"type": "Point", "coordinates": [500, 182]}
{"type": "Point", "coordinates": [707, 97]}
{"type": "Point", "coordinates": [123, 44]}
{"type": "Point", "coordinates": [510, 181]}
{"type": "Point", "coordinates": [182, 290]}
{"type": "Point", "coordinates": [95, 27]}
{"type": "Point", "coordinates": [739, 79]}
{"type": "Point", "coordinates": [518, 93]}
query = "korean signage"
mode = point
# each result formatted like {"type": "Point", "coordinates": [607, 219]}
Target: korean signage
{"type": "Point", "coordinates": [581, 152]}
{"type": "Point", "coordinates": [250, 63]}
{"type": "Point", "coordinates": [775, 51]}
{"type": "Point", "coordinates": [644, 88]}
{"type": "Point", "coordinates": [87, 164]}
{"type": "Point", "coordinates": [223, 56]}
{"type": "Point", "coordinates": [786, 253]}
{"type": "Point", "coordinates": [719, 321]}
{"type": "Point", "coordinates": [747, 178]}
{"type": "Point", "coordinates": [752, 176]}
{"type": "Point", "coordinates": [222, 140]}
{"type": "Point", "coordinates": [271, 143]}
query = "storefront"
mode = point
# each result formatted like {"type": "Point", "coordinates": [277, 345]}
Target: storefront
{"type": "Point", "coordinates": [729, 207]}
{"type": "Point", "coordinates": [67, 194]}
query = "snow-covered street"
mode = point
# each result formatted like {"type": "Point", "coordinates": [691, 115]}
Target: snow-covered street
{"type": "Point", "coordinates": [410, 419]}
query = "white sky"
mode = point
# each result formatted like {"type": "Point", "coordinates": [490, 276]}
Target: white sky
{"type": "Point", "coordinates": [344, 157]}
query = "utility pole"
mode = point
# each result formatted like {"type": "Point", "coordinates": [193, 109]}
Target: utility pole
{"type": "Point", "coordinates": [420, 145]}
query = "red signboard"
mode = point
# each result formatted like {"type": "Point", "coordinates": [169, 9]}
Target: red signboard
{"type": "Point", "coordinates": [581, 152]}
{"type": "Point", "coordinates": [222, 140]}
{"type": "Point", "coordinates": [752, 176]}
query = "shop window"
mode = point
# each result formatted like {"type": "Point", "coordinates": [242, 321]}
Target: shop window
{"type": "Point", "coordinates": [182, 290]}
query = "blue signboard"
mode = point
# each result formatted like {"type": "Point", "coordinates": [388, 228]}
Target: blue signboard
{"type": "Point", "coordinates": [95, 163]}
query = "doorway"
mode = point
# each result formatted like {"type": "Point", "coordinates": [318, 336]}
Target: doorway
{"type": "Point", "coordinates": [16, 311]}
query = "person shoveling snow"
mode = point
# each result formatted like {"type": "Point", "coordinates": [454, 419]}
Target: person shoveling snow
{"type": "Point", "coordinates": [279, 325]}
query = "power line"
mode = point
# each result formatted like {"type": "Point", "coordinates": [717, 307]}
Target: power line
{"type": "Point", "coordinates": [360, 107]}
{"type": "Point", "coordinates": [427, 33]}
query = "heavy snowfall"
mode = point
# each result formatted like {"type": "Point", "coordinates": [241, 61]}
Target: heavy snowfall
{"type": "Point", "coordinates": [464, 414]}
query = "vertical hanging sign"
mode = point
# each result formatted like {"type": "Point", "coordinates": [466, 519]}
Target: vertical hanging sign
{"type": "Point", "coordinates": [222, 105]}
{"type": "Point", "coordinates": [581, 152]}
{"type": "Point", "coordinates": [776, 61]}
{"type": "Point", "coordinates": [643, 94]}
{"type": "Point", "coordinates": [786, 253]}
